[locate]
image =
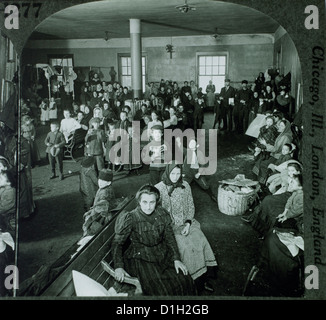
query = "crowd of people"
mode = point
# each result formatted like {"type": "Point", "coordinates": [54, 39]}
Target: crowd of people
{"type": "Point", "coordinates": [167, 241]}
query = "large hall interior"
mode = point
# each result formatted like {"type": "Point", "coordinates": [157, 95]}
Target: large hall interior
{"type": "Point", "coordinates": [162, 65]}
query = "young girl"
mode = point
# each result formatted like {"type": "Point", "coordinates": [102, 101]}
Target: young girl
{"type": "Point", "coordinates": [134, 163]}
{"type": "Point", "coordinates": [278, 183]}
{"type": "Point", "coordinates": [29, 132]}
{"type": "Point", "coordinates": [157, 154]}
{"type": "Point", "coordinates": [53, 110]}
{"type": "Point", "coordinates": [110, 143]}
{"type": "Point", "coordinates": [44, 112]}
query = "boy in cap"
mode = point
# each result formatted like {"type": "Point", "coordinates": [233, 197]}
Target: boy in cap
{"type": "Point", "coordinates": [104, 202]}
{"type": "Point", "coordinates": [55, 142]}
{"type": "Point", "coordinates": [94, 140]}
{"type": "Point", "coordinates": [88, 182]}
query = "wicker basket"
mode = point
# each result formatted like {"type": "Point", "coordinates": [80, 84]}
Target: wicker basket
{"type": "Point", "coordinates": [234, 204]}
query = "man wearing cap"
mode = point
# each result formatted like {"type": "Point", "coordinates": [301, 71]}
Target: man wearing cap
{"type": "Point", "coordinates": [88, 182]}
{"type": "Point", "coordinates": [242, 107]}
{"type": "Point", "coordinates": [224, 106]}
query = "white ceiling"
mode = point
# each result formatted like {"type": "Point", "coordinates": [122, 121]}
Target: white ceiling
{"type": "Point", "coordinates": [159, 19]}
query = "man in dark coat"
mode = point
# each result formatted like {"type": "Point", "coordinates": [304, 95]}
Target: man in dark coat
{"type": "Point", "coordinates": [242, 108]}
{"type": "Point", "coordinates": [225, 105]}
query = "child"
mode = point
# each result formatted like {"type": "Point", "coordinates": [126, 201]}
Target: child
{"type": "Point", "coordinates": [44, 112]}
{"type": "Point", "coordinates": [88, 182]}
{"type": "Point", "coordinates": [172, 122]}
{"type": "Point", "coordinates": [94, 140]}
{"type": "Point", "coordinates": [68, 125]}
{"type": "Point", "coordinates": [281, 180]}
{"type": "Point", "coordinates": [29, 132]}
{"type": "Point", "coordinates": [134, 163]}
{"type": "Point", "coordinates": [110, 142]}
{"type": "Point", "coordinates": [182, 117]}
{"type": "Point", "coordinates": [104, 202]}
{"type": "Point", "coordinates": [267, 132]}
{"type": "Point", "coordinates": [53, 110]}
{"type": "Point", "coordinates": [55, 142]}
{"type": "Point", "coordinates": [155, 153]}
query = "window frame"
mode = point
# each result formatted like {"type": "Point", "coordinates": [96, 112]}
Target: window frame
{"type": "Point", "coordinates": [127, 55]}
{"type": "Point", "coordinates": [212, 54]}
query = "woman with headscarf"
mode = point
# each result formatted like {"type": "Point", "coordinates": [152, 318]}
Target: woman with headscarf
{"type": "Point", "coordinates": [285, 136]}
{"type": "Point", "coordinates": [152, 255]}
{"type": "Point", "coordinates": [196, 252]}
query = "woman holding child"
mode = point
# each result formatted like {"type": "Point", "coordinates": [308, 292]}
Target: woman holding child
{"type": "Point", "coordinates": [284, 137]}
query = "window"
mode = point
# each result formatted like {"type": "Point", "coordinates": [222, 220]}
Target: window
{"type": "Point", "coordinates": [125, 68]}
{"type": "Point", "coordinates": [212, 68]}
{"type": "Point", "coordinates": [61, 62]}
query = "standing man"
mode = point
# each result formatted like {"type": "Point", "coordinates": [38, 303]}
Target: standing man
{"type": "Point", "coordinates": [225, 104]}
{"type": "Point", "coordinates": [242, 108]}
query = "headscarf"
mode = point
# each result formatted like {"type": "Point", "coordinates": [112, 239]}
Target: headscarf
{"type": "Point", "coordinates": [287, 130]}
{"type": "Point", "coordinates": [166, 177]}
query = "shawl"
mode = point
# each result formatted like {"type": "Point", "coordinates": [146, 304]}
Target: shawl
{"type": "Point", "coordinates": [166, 177]}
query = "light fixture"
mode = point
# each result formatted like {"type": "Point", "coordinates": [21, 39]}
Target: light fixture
{"type": "Point", "coordinates": [185, 7]}
{"type": "Point", "coordinates": [106, 37]}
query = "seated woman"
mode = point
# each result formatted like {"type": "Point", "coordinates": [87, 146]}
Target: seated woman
{"type": "Point", "coordinates": [285, 136]}
{"type": "Point", "coordinates": [274, 207]}
{"type": "Point", "coordinates": [152, 255]}
{"type": "Point", "coordinates": [267, 132]}
{"type": "Point", "coordinates": [8, 201]}
{"type": "Point", "coordinates": [282, 252]}
{"type": "Point", "coordinates": [196, 253]}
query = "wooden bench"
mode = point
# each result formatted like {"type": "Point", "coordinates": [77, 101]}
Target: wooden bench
{"type": "Point", "coordinates": [93, 260]}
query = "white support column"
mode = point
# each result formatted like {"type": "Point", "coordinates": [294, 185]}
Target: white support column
{"type": "Point", "coordinates": [136, 58]}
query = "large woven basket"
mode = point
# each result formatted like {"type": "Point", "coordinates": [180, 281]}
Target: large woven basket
{"type": "Point", "coordinates": [234, 204]}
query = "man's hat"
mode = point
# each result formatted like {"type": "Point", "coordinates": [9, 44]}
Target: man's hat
{"type": "Point", "coordinates": [244, 81]}
{"type": "Point", "coordinates": [106, 175]}
{"type": "Point", "coordinates": [227, 80]}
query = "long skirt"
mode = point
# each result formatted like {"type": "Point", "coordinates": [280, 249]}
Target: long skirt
{"type": "Point", "coordinates": [160, 279]}
{"type": "Point", "coordinates": [284, 269]}
{"type": "Point", "coordinates": [35, 152]}
{"type": "Point", "coordinates": [26, 202]}
{"type": "Point", "coordinates": [261, 168]}
{"type": "Point", "coordinates": [264, 215]}
{"type": "Point", "coordinates": [195, 250]}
